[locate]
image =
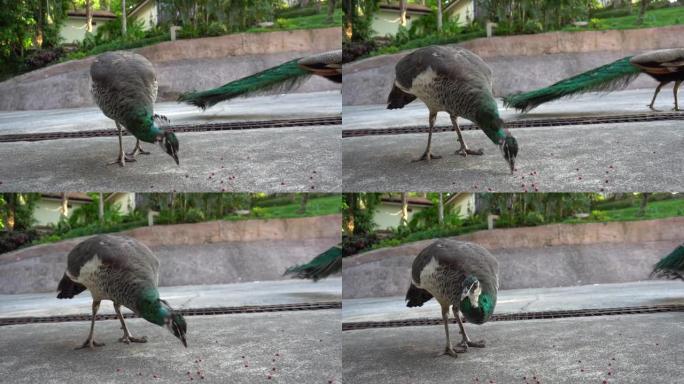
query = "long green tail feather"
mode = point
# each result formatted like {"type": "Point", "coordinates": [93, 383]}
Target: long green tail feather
{"type": "Point", "coordinates": [609, 77]}
{"type": "Point", "coordinates": [671, 266]}
{"type": "Point", "coordinates": [320, 267]}
{"type": "Point", "coordinates": [283, 77]}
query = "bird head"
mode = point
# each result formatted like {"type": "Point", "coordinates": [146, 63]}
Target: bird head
{"type": "Point", "coordinates": [471, 290]}
{"type": "Point", "coordinates": [509, 149]}
{"type": "Point", "coordinates": [174, 322]}
{"type": "Point", "coordinates": [169, 143]}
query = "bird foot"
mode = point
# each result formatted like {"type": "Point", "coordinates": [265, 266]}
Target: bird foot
{"type": "Point", "coordinates": [137, 150]}
{"type": "Point", "coordinates": [426, 156]}
{"type": "Point", "coordinates": [475, 344]}
{"type": "Point", "coordinates": [653, 109]}
{"type": "Point", "coordinates": [465, 151]}
{"type": "Point", "coordinates": [90, 343]}
{"type": "Point", "coordinates": [676, 109]}
{"type": "Point", "coordinates": [449, 351]}
{"type": "Point", "coordinates": [131, 339]}
{"type": "Point", "coordinates": [122, 160]}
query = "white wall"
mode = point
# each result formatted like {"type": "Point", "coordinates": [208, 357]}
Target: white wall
{"type": "Point", "coordinates": [75, 27]}
{"type": "Point", "coordinates": [148, 15]}
{"type": "Point", "coordinates": [387, 22]}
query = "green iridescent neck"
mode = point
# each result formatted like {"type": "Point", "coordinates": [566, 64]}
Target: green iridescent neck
{"type": "Point", "coordinates": [143, 127]}
{"type": "Point", "coordinates": [150, 308]}
{"type": "Point", "coordinates": [484, 310]}
{"type": "Point", "coordinates": [489, 121]}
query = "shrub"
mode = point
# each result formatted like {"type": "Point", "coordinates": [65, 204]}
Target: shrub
{"type": "Point", "coordinates": [43, 57]}
{"type": "Point", "coordinates": [194, 215]}
{"type": "Point", "coordinates": [599, 216]}
{"type": "Point", "coordinates": [216, 29]}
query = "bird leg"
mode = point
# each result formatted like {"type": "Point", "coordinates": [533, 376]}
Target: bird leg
{"type": "Point", "coordinates": [427, 155]}
{"type": "Point", "coordinates": [464, 150]}
{"type": "Point", "coordinates": [654, 97]}
{"type": "Point", "coordinates": [127, 338]}
{"type": "Point", "coordinates": [90, 341]}
{"type": "Point", "coordinates": [137, 149]}
{"type": "Point", "coordinates": [676, 90]}
{"type": "Point", "coordinates": [123, 158]}
{"type": "Point", "coordinates": [449, 349]}
{"type": "Point", "coordinates": [465, 342]}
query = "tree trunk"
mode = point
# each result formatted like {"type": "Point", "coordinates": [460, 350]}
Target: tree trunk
{"type": "Point", "coordinates": [331, 11]}
{"type": "Point", "coordinates": [302, 202]}
{"type": "Point", "coordinates": [642, 11]}
{"type": "Point", "coordinates": [402, 12]}
{"type": "Point", "coordinates": [123, 18]}
{"type": "Point", "coordinates": [439, 19]}
{"type": "Point", "coordinates": [89, 15]}
{"type": "Point", "coordinates": [100, 208]}
{"type": "Point", "coordinates": [404, 209]}
{"type": "Point", "coordinates": [64, 208]}
{"type": "Point", "coordinates": [351, 199]}
{"type": "Point", "coordinates": [11, 210]}
{"type": "Point", "coordinates": [350, 8]}
{"type": "Point", "coordinates": [644, 201]}
{"type": "Point", "coordinates": [440, 216]}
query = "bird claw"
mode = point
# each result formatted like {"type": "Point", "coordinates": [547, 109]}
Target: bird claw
{"type": "Point", "coordinates": [122, 160]}
{"type": "Point", "coordinates": [90, 343]}
{"type": "Point", "coordinates": [465, 151]}
{"type": "Point", "coordinates": [449, 352]}
{"type": "Point", "coordinates": [653, 109]}
{"type": "Point", "coordinates": [131, 339]}
{"type": "Point", "coordinates": [426, 156]}
{"type": "Point", "coordinates": [475, 344]}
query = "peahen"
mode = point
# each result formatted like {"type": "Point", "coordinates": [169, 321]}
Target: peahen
{"type": "Point", "coordinates": [671, 266]}
{"type": "Point", "coordinates": [319, 267]}
{"type": "Point", "coordinates": [459, 274]}
{"type": "Point", "coordinates": [125, 88]}
{"type": "Point", "coordinates": [457, 81]}
{"type": "Point", "coordinates": [664, 65]}
{"type": "Point", "coordinates": [283, 77]}
{"type": "Point", "coordinates": [122, 270]}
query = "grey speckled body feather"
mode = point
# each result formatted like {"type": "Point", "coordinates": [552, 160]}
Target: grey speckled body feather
{"type": "Point", "coordinates": [123, 83]}
{"type": "Point", "coordinates": [448, 79]}
{"type": "Point", "coordinates": [442, 268]}
{"type": "Point", "coordinates": [114, 268]}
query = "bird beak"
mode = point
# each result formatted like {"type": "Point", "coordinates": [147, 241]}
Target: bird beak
{"type": "Point", "coordinates": [175, 157]}
{"type": "Point", "coordinates": [511, 163]}
{"type": "Point", "coordinates": [182, 339]}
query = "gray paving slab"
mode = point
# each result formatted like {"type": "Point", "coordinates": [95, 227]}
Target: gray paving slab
{"type": "Point", "coordinates": [182, 297]}
{"type": "Point", "coordinates": [630, 156]}
{"type": "Point", "coordinates": [278, 159]}
{"type": "Point", "coordinates": [645, 348]}
{"type": "Point", "coordinates": [643, 293]}
{"type": "Point", "coordinates": [303, 347]}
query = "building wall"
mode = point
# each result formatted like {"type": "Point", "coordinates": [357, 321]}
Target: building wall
{"type": "Point", "coordinates": [387, 22]}
{"type": "Point", "coordinates": [389, 215]}
{"type": "Point", "coordinates": [126, 202]}
{"type": "Point", "coordinates": [465, 11]}
{"type": "Point", "coordinates": [148, 15]}
{"type": "Point", "coordinates": [75, 27]}
{"type": "Point", "coordinates": [464, 205]}
{"type": "Point", "coordinates": [47, 211]}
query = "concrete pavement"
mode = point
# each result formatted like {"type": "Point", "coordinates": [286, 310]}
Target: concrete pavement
{"type": "Point", "coordinates": [282, 159]}
{"type": "Point", "coordinates": [630, 156]}
{"type": "Point", "coordinates": [645, 348]}
{"type": "Point", "coordinates": [241, 348]}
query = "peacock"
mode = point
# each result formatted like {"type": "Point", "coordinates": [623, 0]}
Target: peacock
{"type": "Point", "coordinates": [319, 267]}
{"type": "Point", "coordinates": [283, 78]}
{"type": "Point", "coordinates": [459, 274]}
{"type": "Point", "coordinates": [125, 87]}
{"type": "Point", "coordinates": [664, 65]}
{"type": "Point", "coordinates": [671, 266]}
{"type": "Point", "coordinates": [125, 271]}
{"type": "Point", "coordinates": [457, 81]}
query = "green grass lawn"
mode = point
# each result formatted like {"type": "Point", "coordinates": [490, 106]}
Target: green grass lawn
{"type": "Point", "coordinates": [653, 18]}
{"type": "Point", "coordinates": [654, 210]}
{"type": "Point", "coordinates": [320, 206]}
{"type": "Point", "coordinates": [304, 22]}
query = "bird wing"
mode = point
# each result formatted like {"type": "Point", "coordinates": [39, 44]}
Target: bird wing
{"type": "Point", "coordinates": [469, 259]}
{"type": "Point", "coordinates": [127, 75]}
